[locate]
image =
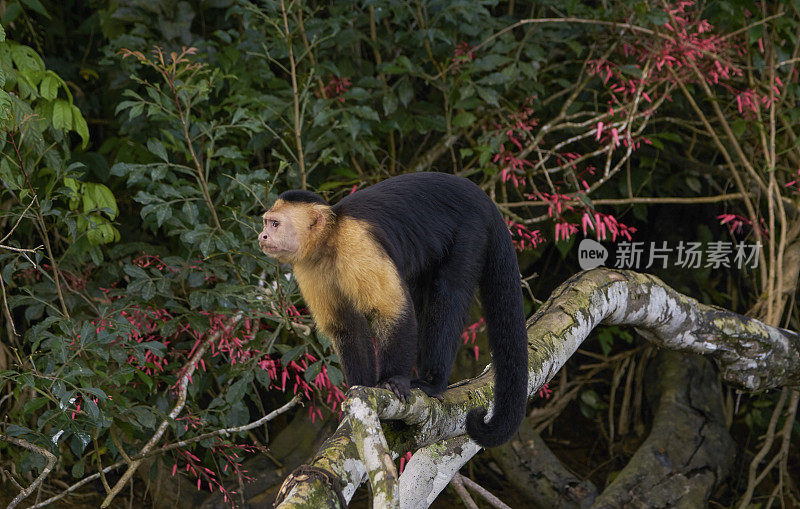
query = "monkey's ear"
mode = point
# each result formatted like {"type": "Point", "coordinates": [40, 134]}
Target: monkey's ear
{"type": "Point", "coordinates": [321, 216]}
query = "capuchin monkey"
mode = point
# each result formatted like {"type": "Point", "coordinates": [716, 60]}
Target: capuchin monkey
{"type": "Point", "coordinates": [400, 261]}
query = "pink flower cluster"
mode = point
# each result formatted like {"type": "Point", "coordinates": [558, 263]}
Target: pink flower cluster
{"type": "Point", "coordinates": [749, 102]}
{"type": "Point", "coordinates": [336, 87]}
{"type": "Point", "coordinates": [227, 455]}
{"type": "Point", "coordinates": [470, 334]}
{"type": "Point", "coordinates": [736, 224]}
{"type": "Point", "coordinates": [524, 238]}
{"type": "Point", "coordinates": [605, 224]}
{"type": "Point", "coordinates": [462, 53]}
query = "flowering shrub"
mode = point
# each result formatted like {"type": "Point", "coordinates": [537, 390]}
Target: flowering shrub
{"type": "Point", "coordinates": [131, 280]}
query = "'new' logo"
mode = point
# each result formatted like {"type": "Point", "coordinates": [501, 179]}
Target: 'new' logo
{"type": "Point", "coordinates": [591, 254]}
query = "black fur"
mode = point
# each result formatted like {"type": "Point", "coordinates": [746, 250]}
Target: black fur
{"type": "Point", "coordinates": [447, 238]}
{"type": "Point", "coordinates": [300, 196]}
{"type": "Point", "coordinates": [356, 353]}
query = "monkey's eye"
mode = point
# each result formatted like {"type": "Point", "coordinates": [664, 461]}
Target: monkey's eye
{"type": "Point", "coordinates": [275, 223]}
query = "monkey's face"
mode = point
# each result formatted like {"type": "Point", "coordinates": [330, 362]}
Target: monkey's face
{"type": "Point", "coordinates": [278, 239]}
{"type": "Point", "coordinates": [291, 230]}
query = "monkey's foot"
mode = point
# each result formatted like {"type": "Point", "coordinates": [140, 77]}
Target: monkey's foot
{"type": "Point", "coordinates": [432, 390]}
{"type": "Point", "coordinates": [399, 385]}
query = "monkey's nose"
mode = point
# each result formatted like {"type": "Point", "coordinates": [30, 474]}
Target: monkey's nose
{"type": "Point", "coordinates": [262, 237]}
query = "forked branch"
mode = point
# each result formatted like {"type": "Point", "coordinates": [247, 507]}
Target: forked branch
{"type": "Point", "coordinates": [750, 355]}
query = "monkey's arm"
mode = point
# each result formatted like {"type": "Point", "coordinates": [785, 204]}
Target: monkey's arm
{"type": "Point", "coordinates": [352, 341]}
{"type": "Point", "coordinates": [397, 350]}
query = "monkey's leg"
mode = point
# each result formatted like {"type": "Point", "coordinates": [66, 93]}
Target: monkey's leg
{"type": "Point", "coordinates": [352, 340]}
{"type": "Point", "coordinates": [444, 317]}
{"type": "Point", "coordinates": [397, 349]}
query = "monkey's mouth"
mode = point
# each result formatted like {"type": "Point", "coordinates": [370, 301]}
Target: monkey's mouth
{"type": "Point", "coordinates": [267, 249]}
{"type": "Point", "coordinates": [271, 250]}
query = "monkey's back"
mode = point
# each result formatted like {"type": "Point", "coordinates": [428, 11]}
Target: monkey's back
{"type": "Point", "coordinates": [417, 217]}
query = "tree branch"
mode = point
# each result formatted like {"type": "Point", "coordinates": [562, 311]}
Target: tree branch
{"type": "Point", "coordinates": [750, 355]}
{"type": "Point", "coordinates": [51, 462]}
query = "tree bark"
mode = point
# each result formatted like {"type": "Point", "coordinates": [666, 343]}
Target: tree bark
{"type": "Point", "coordinates": [688, 450]}
{"type": "Point", "coordinates": [537, 474]}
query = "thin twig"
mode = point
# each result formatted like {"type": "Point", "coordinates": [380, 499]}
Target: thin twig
{"type": "Point", "coordinates": [762, 453]}
{"type": "Point", "coordinates": [19, 219]}
{"type": "Point", "coordinates": [183, 117]}
{"type": "Point", "coordinates": [480, 490]}
{"type": "Point", "coordinates": [751, 211]}
{"type": "Point", "coordinates": [103, 479]}
{"type": "Point", "coordinates": [458, 485]}
{"type": "Point", "coordinates": [161, 450]}
{"type": "Point", "coordinates": [51, 462]}
{"type": "Point", "coordinates": [6, 308]}
{"type": "Point", "coordinates": [580, 21]}
{"type": "Point", "coordinates": [20, 250]}
{"type": "Point", "coordinates": [642, 199]}
{"type": "Point", "coordinates": [118, 443]}
{"type": "Point", "coordinates": [376, 52]}
{"type": "Point", "coordinates": [295, 99]}
{"type": "Point", "coordinates": [41, 223]}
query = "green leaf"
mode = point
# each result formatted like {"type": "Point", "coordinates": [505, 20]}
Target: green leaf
{"type": "Point", "coordinates": [26, 380]}
{"type": "Point", "coordinates": [405, 91]}
{"type": "Point", "coordinates": [78, 469]}
{"type": "Point", "coordinates": [606, 339]}
{"type": "Point", "coordinates": [738, 126]}
{"type": "Point", "coordinates": [135, 272]}
{"type": "Point", "coordinates": [366, 113]}
{"type": "Point", "coordinates": [94, 391]}
{"type": "Point", "coordinates": [62, 115]}
{"type": "Point", "coordinates": [657, 17]}
{"type": "Point", "coordinates": [15, 430]}
{"type": "Point", "coordinates": [312, 371]}
{"type": "Point", "coordinates": [136, 110]}
{"type": "Point", "coordinates": [238, 415]}
{"type": "Point", "coordinates": [490, 62]}
{"type": "Point", "coordinates": [463, 119]}
{"type": "Point", "coordinates": [80, 126]}
{"type": "Point", "coordinates": [48, 88]}
{"type": "Point", "coordinates": [335, 375]}
{"type": "Point", "coordinates": [631, 70]}
{"type": "Point", "coordinates": [145, 417]}
{"type": "Point", "coordinates": [489, 95]}
{"type": "Point", "coordinates": [13, 10]}
{"type": "Point", "coordinates": [148, 291]}
{"type": "Point", "coordinates": [575, 46]}
{"type": "Point", "coordinates": [292, 354]}
{"type": "Point", "coordinates": [102, 197]}
{"type": "Point", "coordinates": [163, 212]}
{"type": "Point", "coordinates": [592, 399]}
{"type": "Point", "coordinates": [122, 169]}
{"type": "Point", "coordinates": [156, 347]}
{"type": "Point", "coordinates": [157, 148]}
{"type": "Point", "coordinates": [26, 59]}
{"type": "Point", "coordinates": [33, 405]}
{"type": "Point", "coordinates": [694, 184]}
{"type": "Point", "coordinates": [91, 409]}
{"type": "Point", "coordinates": [37, 6]}
{"type": "Point", "coordinates": [389, 104]}
{"type": "Point", "coordinates": [236, 390]}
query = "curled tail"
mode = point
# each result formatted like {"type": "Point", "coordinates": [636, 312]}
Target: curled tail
{"type": "Point", "coordinates": [501, 296]}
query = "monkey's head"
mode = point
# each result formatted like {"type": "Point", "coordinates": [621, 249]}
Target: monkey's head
{"type": "Point", "coordinates": [294, 225]}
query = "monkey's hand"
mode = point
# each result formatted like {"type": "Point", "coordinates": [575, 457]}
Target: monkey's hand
{"type": "Point", "coordinates": [399, 385]}
{"type": "Point", "coordinates": [428, 388]}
